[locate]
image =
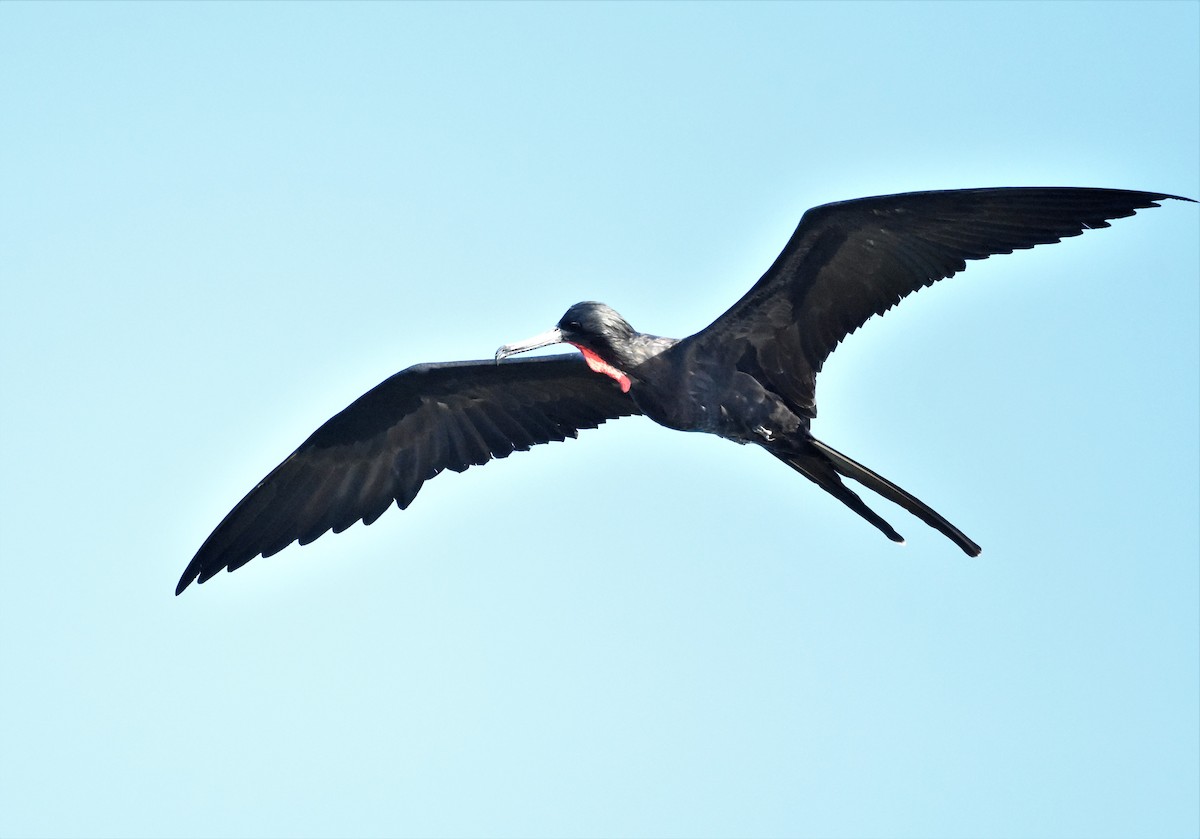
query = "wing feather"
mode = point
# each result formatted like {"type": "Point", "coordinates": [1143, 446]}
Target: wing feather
{"type": "Point", "coordinates": [854, 259]}
{"type": "Point", "coordinates": [388, 442]}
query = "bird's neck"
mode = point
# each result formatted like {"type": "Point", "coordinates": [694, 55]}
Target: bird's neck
{"type": "Point", "coordinates": [619, 359]}
{"type": "Point", "coordinates": [637, 350]}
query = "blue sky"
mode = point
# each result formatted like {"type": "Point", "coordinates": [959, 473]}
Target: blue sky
{"type": "Point", "coordinates": [221, 223]}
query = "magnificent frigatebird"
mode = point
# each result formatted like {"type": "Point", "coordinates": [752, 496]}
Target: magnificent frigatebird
{"type": "Point", "coordinates": [749, 376]}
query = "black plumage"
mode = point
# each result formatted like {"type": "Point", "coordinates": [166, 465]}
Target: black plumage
{"type": "Point", "coordinates": [750, 376]}
{"type": "Point", "coordinates": [399, 434]}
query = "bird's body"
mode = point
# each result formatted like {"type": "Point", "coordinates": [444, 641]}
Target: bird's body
{"type": "Point", "coordinates": [749, 377]}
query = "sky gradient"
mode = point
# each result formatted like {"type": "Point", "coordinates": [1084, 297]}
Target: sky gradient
{"type": "Point", "coordinates": [221, 223]}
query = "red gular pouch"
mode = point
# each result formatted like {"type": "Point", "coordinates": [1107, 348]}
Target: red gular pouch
{"type": "Point", "coordinates": [599, 365]}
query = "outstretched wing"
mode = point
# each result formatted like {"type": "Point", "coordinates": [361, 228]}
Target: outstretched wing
{"type": "Point", "coordinates": [398, 435]}
{"type": "Point", "coordinates": [853, 259]}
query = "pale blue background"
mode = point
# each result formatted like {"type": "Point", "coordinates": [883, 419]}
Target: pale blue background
{"type": "Point", "coordinates": [220, 223]}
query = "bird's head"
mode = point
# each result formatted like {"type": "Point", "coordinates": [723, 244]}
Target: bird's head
{"type": "Point", "coordinates": [596, 327]}
{"type": "Point", "coordinates": [596, 330]}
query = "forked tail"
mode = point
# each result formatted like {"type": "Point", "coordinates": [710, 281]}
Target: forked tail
{"type": "Point", "coordinates": [823, 465]}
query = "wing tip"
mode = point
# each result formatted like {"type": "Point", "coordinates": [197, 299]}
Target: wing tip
{"type": "Point", "coordinates": [1165, 196]}
{"type": "Point", "coordinates": [184, 581]}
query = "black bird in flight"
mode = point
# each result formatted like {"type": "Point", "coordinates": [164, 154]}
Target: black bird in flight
{"type": "Point", "coordinates": [749, 376]}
